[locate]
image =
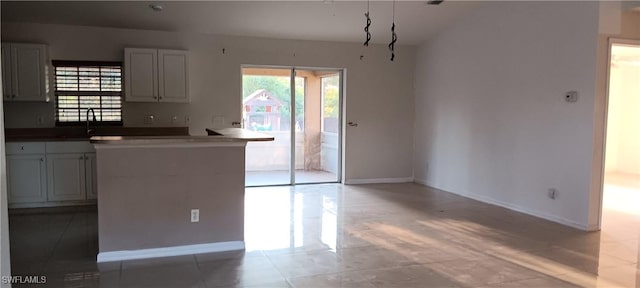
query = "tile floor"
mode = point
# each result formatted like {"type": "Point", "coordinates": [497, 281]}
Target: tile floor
{"type": "Point", "coordinates": [384, 235]}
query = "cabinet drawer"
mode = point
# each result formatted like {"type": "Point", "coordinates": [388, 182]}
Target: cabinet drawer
{"type": "Point", "coordinates": [70, 147]}
{"type": "Point", "coordinates": [17, 148]}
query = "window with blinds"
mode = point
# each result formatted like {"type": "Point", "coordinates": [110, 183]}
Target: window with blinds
{"type": "Point", "coordinates": [82, 85]}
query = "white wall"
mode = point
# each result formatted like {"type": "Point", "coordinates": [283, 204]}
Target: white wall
{"type": "Point", "coordinates": [378, 92]}
{"type": "Point", "coordinates": [623, 120]}
{"type": "Point", "coordinates": [491, 120]}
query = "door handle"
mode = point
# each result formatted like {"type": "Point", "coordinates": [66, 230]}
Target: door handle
{"type": "Point", "coordinates": [353, 124]}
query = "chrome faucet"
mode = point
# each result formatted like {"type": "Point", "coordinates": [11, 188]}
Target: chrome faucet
{"type": "Point", "coordinates": [94, 120]}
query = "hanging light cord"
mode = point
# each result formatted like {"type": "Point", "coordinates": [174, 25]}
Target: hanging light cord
{"type": "Point", "coordinates": [394, 37]}
{"type": "Point", "coordinates": [366, 28]}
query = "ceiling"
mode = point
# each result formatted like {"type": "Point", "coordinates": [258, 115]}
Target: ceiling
{"type": "Point", "coordinates": [326, 20]}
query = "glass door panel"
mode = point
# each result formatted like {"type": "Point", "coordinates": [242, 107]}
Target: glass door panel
{"type": "Point", "coordinates": [266, 106]}
{"type": "Point", "coordinates": [317, 99]}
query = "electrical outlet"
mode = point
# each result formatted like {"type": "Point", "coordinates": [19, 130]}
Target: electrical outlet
{"type": "Point", "coordinates": [552, 193]}
{"type": "Point", "coordinates": [187, 119]}
{"type": "Point", "coordinates": [148, 119]}
{"type": "Point", "coordinates": [195, 215]}
{"type": "Point", "coordinates": [571, 96]}
{"type": "Point", "coordinates": [174, 120]}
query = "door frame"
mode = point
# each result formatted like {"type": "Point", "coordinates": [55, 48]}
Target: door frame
{"type": "Point", "coordinates": [341, 116]}
{"type": "Point", "coordinates": [611, 41]}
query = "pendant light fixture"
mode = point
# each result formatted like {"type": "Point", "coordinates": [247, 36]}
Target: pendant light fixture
{"type": "Point", "coordinates": [394, 37]}
{"type": "Point", "coordinates": [366, 28]}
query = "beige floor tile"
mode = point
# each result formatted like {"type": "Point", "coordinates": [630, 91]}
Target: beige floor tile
{"type": "Point", "coordinates": [167, 275]}
{"type": "Point", "coordinates": [482, 272]}
{"type": "Point", "coordinates": [372, 257]}
{"type": "Point", "coordinates": [544, 282]}
{"type": "Point", "coordinates": [307, 264]}
{"type": "Point", "coordinates": [346, 279]}
{"type": "Point", "coordinates": [247, 271]}
{"type": "Point", "coordinates": [158, 262]}
{"type": "Point", "coordinates": [410, 276]}
{"type": "Point", "coordinates": [382, 235]}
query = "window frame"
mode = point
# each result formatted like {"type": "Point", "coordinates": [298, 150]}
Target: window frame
{"type": "Point", "coordinates": [80, 63]}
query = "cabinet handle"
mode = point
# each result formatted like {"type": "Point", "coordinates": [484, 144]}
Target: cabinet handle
{"type": "Point", "coordinates": [41, 159]}
{"type": "Point", "coordinates": [81, 157]}
{"type": "Point", "coordinates": [13, 96]}
{"type": "Point", "coordinates": [159, 97]}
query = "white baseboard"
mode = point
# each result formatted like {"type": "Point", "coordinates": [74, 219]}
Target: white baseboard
{"type": "Point", "coordinates": [593, 227]}
{"type": "Point", "coordinates": [378, 180]}
{"type": "Point", "coordinates": [170, 251]}
{"type": "Point", "coordinates": [516, 208]}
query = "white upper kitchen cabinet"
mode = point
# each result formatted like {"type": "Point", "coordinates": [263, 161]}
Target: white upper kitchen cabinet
{"type": "Point", "coordinates": [156, 75]}
{"type": "Point", "coordinates": [141, 74]}
{"type": "Point", "coordinates": [173, 73]}
{"type": "Point", "coordinates": [24, 72]}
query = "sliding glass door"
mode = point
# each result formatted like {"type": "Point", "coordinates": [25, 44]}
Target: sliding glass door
{"type": "Point", "coordinates": [301, 109]}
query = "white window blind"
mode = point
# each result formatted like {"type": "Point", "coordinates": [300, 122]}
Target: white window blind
{"type": "Point", "coordinates": [82, 85]}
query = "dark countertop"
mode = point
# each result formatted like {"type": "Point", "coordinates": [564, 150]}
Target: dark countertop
{"type": "Point", "coordinates": [79, 133]}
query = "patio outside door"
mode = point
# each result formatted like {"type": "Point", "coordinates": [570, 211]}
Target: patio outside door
{"type": "Point", "coordinates": [301, 109]}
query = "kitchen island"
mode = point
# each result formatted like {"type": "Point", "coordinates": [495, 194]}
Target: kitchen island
{"type": "Point", "coordinates": [164, 196]}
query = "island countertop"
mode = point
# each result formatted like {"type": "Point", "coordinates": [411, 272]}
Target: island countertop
{"type": "Point", "coordinates": [219, 135]}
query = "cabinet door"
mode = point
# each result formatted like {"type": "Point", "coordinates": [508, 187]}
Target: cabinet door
{"type": "Point", "coordinates": [26, 178]}
{"type": "Point", "coordinates": [141, 74]}
{"type": "Point", "coordinates": [28, 72]}
{"type": "Point", "coordinates": [173, 73]}
{"type": "Point", "coordinates": [6, 71]}
{"type": "Point", "coordinates": [66, 177]}
{"type": "Point", "coordinates": [91, 175]}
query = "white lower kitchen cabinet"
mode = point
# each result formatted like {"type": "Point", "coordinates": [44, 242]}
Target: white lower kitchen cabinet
{"type": "Point", "coordinates": [43, 174]}
{"type": "Point", "coordinates": [26, 178]}
{"type": "Point", "coordinates": [66, 177]}
{"type": "Point", "coordinates": [91, 176]}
